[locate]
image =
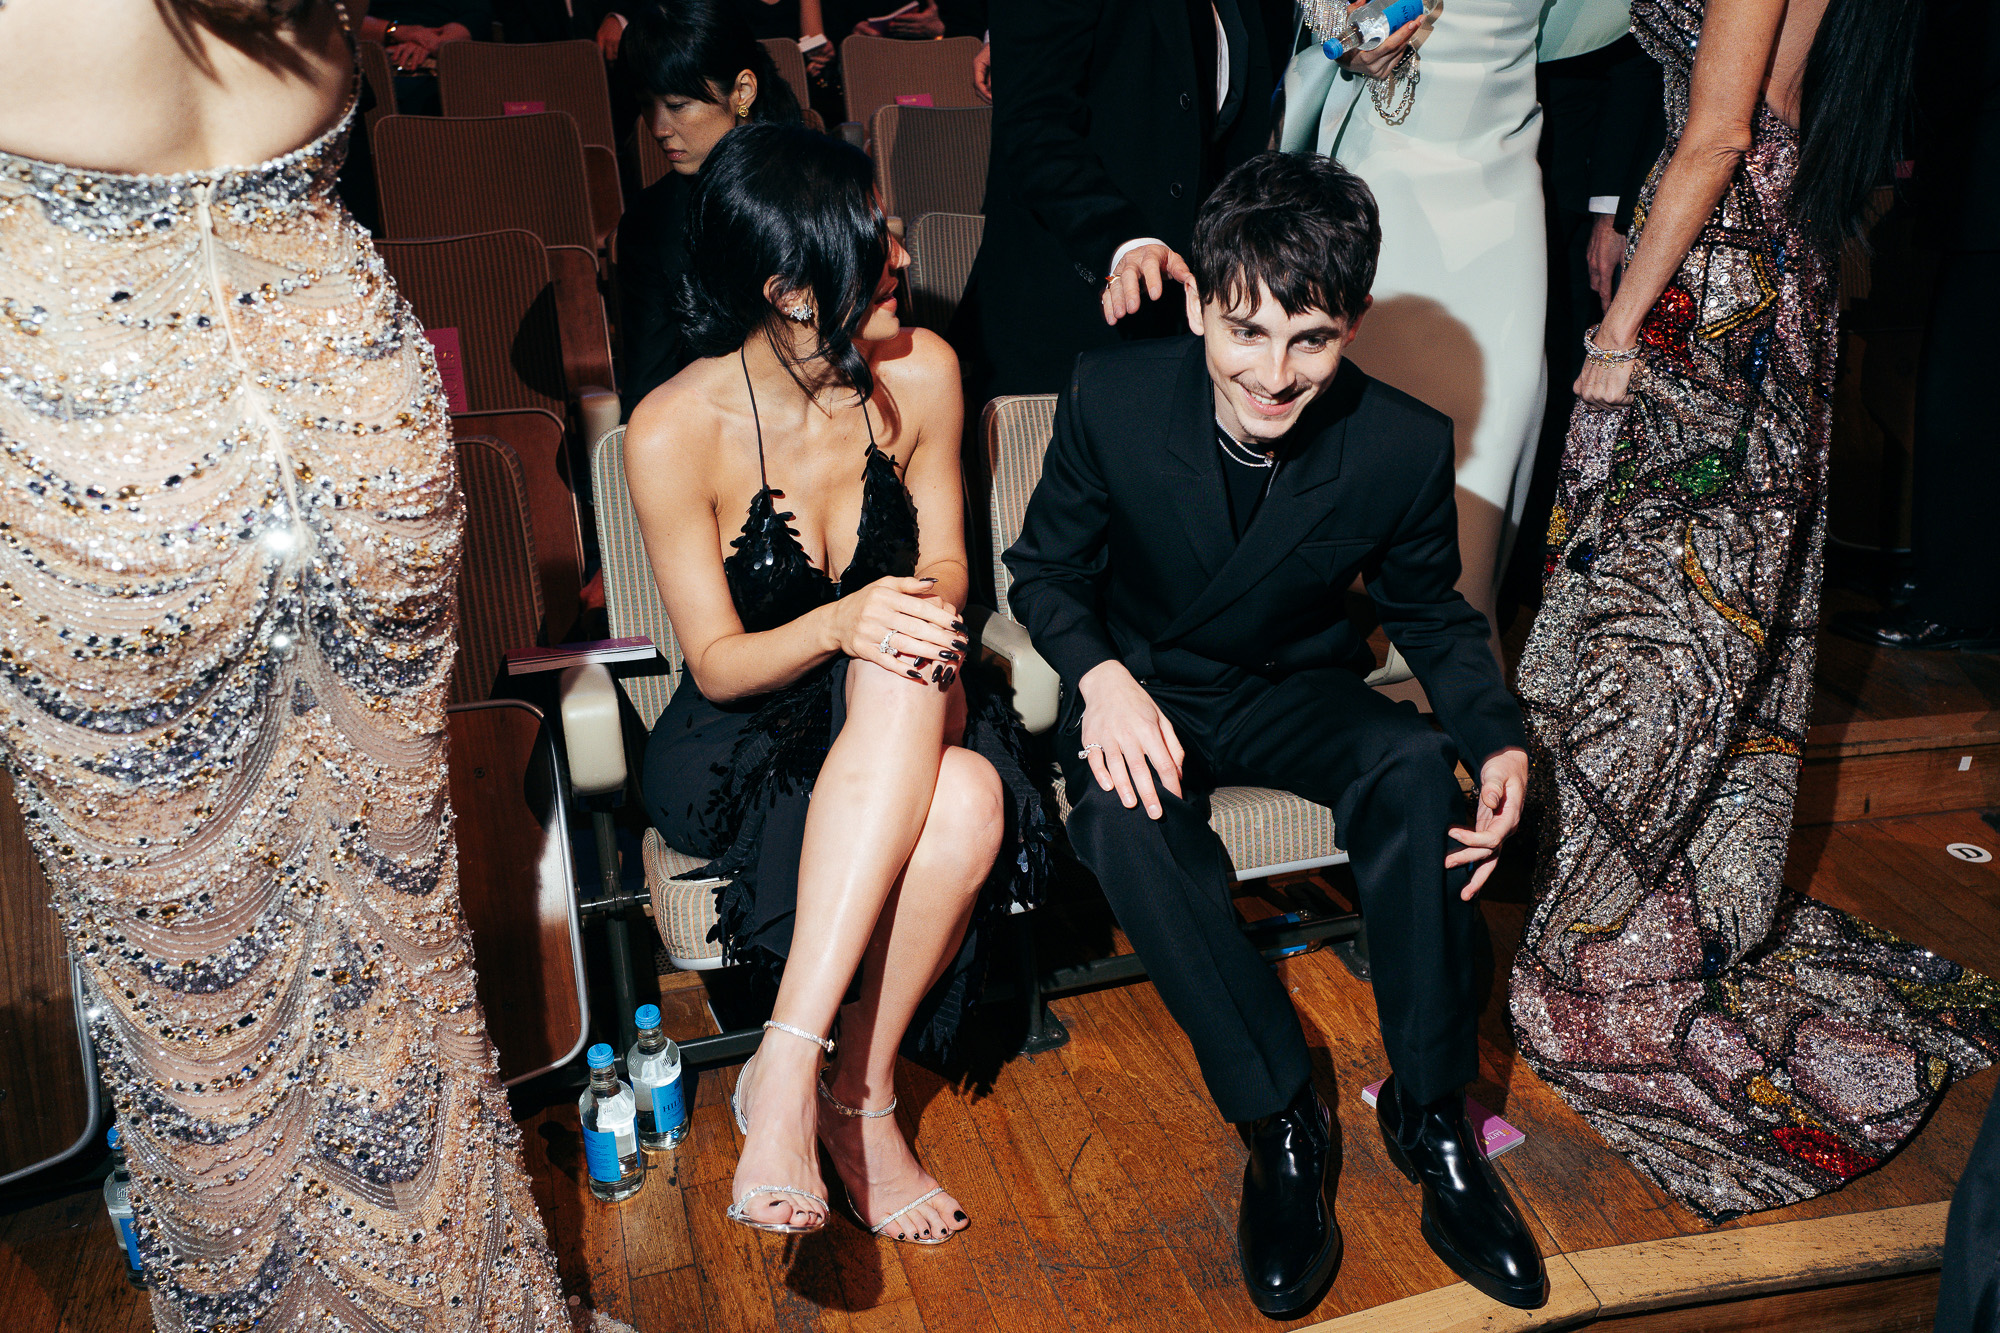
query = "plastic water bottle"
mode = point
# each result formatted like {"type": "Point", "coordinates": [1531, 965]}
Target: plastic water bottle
{"type": "Point", "coordinates": [610, 1130]}
{"type": "Point", "coordinates": [1371, 26]}
{"type": "Point", "coordinates": [118, 1202]}
{"type": "Point", "coordinates": [654, 1064]}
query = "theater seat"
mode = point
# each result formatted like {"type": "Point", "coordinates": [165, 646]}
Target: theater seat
{"type": "Point", "coordinates": [1266, 832]}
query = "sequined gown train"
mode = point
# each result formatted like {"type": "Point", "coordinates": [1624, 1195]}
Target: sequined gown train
{"type": "Point", "coordinates": [1743, 1046]}
{"type": "Point", "coordinates": [229, 530]}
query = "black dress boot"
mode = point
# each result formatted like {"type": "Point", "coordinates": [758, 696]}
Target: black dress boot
{"type": "Point", "coordinates": [1468, 1218]}
{"type": "Point", "coordinates": [1286, 1236]}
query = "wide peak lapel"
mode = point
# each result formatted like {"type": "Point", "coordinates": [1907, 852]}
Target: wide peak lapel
{"type": "Point", "coordinates": [1195, 474]}
{"type": "Point", "coordinates": [1294, 507]}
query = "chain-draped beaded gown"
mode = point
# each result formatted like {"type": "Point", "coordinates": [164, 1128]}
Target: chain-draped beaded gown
{"type": "Point", "coordinates": [229, 531]}
{"type": "Point", "coordinates": [1743, 1046]}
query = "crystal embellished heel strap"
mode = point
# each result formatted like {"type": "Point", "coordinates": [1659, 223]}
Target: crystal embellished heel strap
{"type": "Point", "coordinates": [739, 1211]}
{"type": "Point", "coordinates": [855, 1111]}
{"type": "Point", "coordinates": [824, 1043]}
{"type": "Point", "coordinates": [882, 1227]}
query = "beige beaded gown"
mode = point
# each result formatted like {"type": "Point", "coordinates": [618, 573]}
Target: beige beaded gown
{"type": "Point", "coordinates": [229, 529]}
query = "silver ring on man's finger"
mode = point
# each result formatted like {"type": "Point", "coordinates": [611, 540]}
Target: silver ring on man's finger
{"type": "Point", "coordinates": [883, 647]}
{"type": "Point", "coordinates": [1084, 753]}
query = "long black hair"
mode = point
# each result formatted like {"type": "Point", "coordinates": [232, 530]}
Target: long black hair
{"type": "Point", "coordinates": [1853, 111]}
{"type": "Point", "coordinates": [780, 200]}
{"type": "Point", "coordinates": [695, 49]}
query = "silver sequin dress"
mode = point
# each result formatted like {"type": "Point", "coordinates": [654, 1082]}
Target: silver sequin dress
{"type": "Point", "coordinates": [1743, 1046]}
{"type": "Point", "coordinates": [228, 537]}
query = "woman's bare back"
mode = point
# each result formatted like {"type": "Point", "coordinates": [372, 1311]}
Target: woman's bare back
{"type": "Point", "coordinates": [140, 86]}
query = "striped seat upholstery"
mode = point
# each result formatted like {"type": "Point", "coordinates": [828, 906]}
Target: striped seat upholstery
{"type": "Point", "coordinates": [932, 159]}
{"type": "Point", "coordinates": [380, 76]}
{"type": "Point", "coordinates": [452, 176]}
{"type": "Point", "coordinates": [499, 594]}
{"type": "Point", "coordinates": [784, 52]}
{"type": "Point", "coordinates": [683, 910]}
{"type": "Point", "coordinates": [482, 78]}
{"type": "Point", "coordinates": [875, 71]}
{"type": "Point", "coordinates": [1266, 832]}
{"type": "Point", "coordinates": [942, 247]}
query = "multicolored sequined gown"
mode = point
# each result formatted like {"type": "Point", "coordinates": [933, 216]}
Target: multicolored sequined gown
{"type": "Point", "coordinates": [1743, 1046]}
{"type": "Point", "coordinates": [229, 530]}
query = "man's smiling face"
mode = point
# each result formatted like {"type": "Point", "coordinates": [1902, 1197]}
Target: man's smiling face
{"type": "Point", "coordinates": [1265, 362]}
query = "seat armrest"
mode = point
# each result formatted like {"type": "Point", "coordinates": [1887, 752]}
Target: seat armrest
{"type": "Point", "coordinates": [1394, 671]}
{"type": "Point", "coordinates": [597, 411]}
{"type": "Point", "coordinates": [593, 740]}
{"type": "Point", "coordinates": [1037, 687]}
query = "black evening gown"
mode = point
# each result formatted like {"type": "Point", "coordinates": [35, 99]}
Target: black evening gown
{"type": "Point", "coordinates": [733, 781]}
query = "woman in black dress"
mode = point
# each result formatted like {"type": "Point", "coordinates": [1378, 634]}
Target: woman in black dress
{"type": "Point", "coordinates": [822, 746]}
{"type": "Point", "coordinates": [701, 74]}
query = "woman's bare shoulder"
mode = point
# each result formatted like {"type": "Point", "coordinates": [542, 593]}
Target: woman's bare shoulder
{"type": "Point", "coordinates": [679, 419]}
{"type": "Point", "coordinates": [919, 371]}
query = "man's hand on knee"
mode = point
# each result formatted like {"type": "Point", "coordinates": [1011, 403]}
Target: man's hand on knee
{"type": "Point", "coordinates": [1123, 732]}
{"type": "Point", "coordinates": [1503, 786]}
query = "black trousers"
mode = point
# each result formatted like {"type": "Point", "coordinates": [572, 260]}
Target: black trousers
{"type": "Point", "coordinates": [1957, 466]}
{"type": "Point", "coordinates": [1969, 1288]}
{"type": "Point", "coordinates": [1388, 777]}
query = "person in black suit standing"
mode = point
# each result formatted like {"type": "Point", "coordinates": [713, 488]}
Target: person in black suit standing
{"type": "Point", "coordinates": [1205, 506]}
{"type": "Point", "coordinates": [1112, 121]}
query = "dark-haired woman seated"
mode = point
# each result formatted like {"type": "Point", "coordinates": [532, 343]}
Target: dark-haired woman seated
{"type": "Point", "coordinates": [823, 746]}
{"type": "Point", "coordinates": [702, 74]}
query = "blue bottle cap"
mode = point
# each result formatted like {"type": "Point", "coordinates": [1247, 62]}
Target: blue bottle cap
{"type": "Point", "coordinates": [112, 1137]}
{"type": "Point", "coordinates": [600, 1056]}
{"type": "Point", "coordinates": [648, 1016]}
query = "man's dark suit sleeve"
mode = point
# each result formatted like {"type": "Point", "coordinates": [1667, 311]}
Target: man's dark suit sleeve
{"type": "Point", "coordinates": [1058, 562]}
{"type": "Point", "coordinates": [1631, 127]}
{"type": "Point", "coordinates": [1041, 64]}
{"type": "Point", "coordinates": [1442, 637]}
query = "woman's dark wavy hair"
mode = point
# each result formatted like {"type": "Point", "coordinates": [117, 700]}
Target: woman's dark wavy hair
{"type": "Point", "coordinates": [781, 200]}
{"type": "Point", "coordinates": [695, 49]}
{"type": "Point", "coordinates": [1853, 110]}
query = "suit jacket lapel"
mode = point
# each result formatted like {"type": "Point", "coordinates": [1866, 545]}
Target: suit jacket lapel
{"type": "Point", "coordinates": [1293, 508]}
{"type": "Point", "coordinates": [1194, 472]}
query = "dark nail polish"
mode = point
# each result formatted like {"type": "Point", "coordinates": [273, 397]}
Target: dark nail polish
{"type": "Point", "coordinates": [913, 675]}
{"type": "Point", "coordinates": [957, 1216]}
{"type": "Point", "coordinates": [946, 676]}
{"type": "Point", "coordinates": [962, 644]}
{"type": "Point", "coordinates": [947, 655]}
{"type": "Point", "coordinates": [901, 1236]}
{"type": "Point", "coordinates": [958, 626]}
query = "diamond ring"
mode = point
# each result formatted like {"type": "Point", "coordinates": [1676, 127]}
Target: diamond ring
{"type": "Point", "coordinates": [1084, 753]}
{"type": "Point", "coordinates": [883, 647]}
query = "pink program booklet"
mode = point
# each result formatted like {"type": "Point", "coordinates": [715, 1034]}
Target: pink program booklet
{"type": "Point", "coordinates": [523, 108]}
{"type": "Point", "coordinates": [1495, 1134]}
{"type": "Point", "coordinates": [914, 99]}
{"type": "Point", "coordinates": [451, 367]}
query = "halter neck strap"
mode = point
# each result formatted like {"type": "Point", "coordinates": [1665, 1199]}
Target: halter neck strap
{"type": "Point", "coordinates": [762, 478]}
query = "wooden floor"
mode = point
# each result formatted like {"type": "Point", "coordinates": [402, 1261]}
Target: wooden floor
{"type": "Point", "coordinates": [1103, 1187]}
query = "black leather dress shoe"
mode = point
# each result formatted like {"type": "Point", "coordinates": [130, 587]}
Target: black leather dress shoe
{"type": "Point", "coordinates": [1904, 629]}
{"type": "Point", "coordinates": [1286, 1236]}
{"type": "Point", "coordinates": [1468, 1218]}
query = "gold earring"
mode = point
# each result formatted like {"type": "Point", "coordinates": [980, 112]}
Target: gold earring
{"type": "Point", "coordinates": [743, 111]}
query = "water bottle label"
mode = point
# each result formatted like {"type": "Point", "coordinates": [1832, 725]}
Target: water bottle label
{"type": "Point", "coordinates": [130, 1235]}
{"type": "Point", "coordinates": [1402, 12]}
{"type": "Point", "coordinates": [669, 1109]}
{"type": "Point", "coordinates": [600, 1152]}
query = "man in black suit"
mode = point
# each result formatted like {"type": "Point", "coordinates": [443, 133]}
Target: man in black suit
{"type": "Point", "coordinates": [1205, 506]}
{"type": "Point", "coordinates": [1112, 120]}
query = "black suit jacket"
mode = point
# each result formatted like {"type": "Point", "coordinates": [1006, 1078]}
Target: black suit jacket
{"type": "Point", "coordinates": [1603, 124]}
{"type": "Point", "coordinates": [1127, 552]}
{"type": "Point", "coordinates": [1105, 129]}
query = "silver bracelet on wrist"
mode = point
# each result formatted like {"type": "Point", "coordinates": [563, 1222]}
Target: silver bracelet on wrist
{"type": "Point", "coordinates": [1603, 357]}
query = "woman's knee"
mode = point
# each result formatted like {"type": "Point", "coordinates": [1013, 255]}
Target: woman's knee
{"type": "Point", "coordinates": [969, 806]}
